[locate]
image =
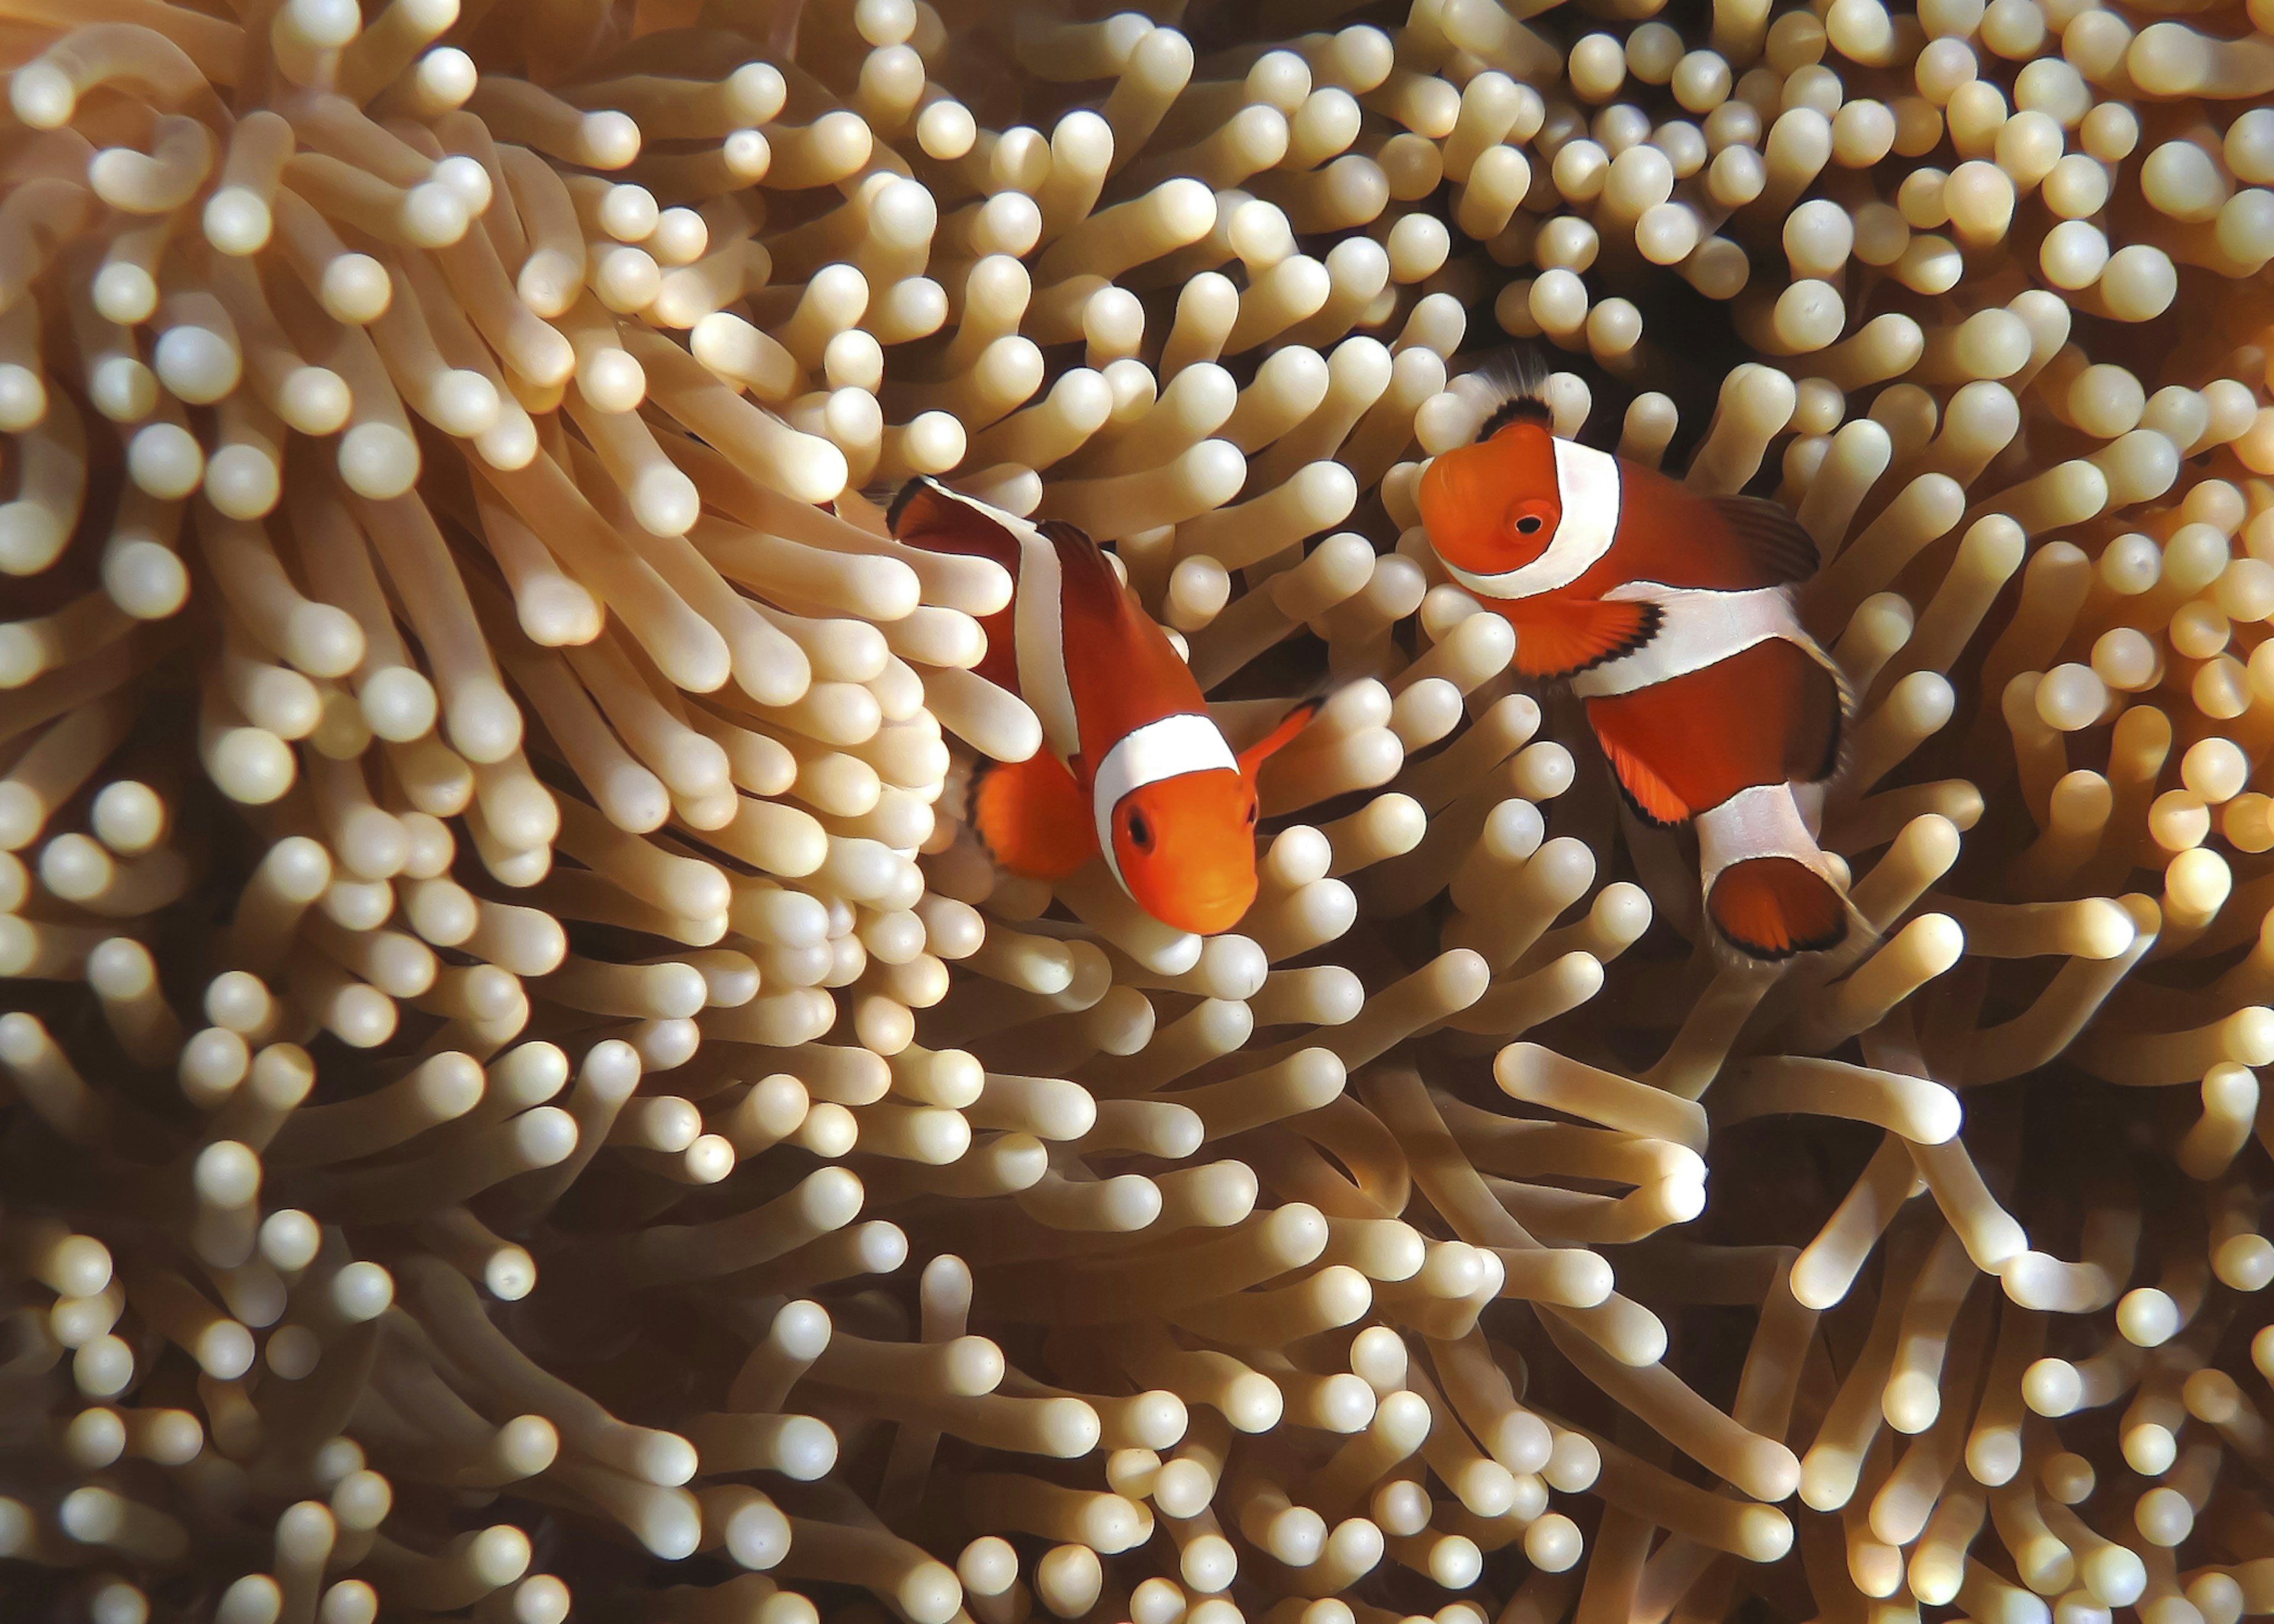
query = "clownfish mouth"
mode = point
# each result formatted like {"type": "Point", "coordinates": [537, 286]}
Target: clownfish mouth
{"type": "Point", "coordinates": [1208, 913]}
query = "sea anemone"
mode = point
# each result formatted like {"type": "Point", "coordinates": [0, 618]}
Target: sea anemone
{"type": "Point", "coordinates": [523, 1096]}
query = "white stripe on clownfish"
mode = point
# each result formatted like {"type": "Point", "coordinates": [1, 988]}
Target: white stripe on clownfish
{"type": "Point", "coordinates": [1697, 629]}
{"type": "Point", "coordinates": [1040, 643]}
{"type": "Point", "coordinates": [1763, 821]}
{"type": "Point", "coordinates": [1038, 625]}
{"type": "Point", "coordinates": [1168, 748]}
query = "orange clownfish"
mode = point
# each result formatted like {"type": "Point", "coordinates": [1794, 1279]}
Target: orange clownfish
{"type": "Point", "coordinates": [1130, 767]}
{"type": "Point", "coordinates": [1670, 614]}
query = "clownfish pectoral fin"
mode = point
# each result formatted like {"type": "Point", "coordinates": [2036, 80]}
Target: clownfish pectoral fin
{"type": "Point", "coordinates": [1649, 794]}
{"type": "Point", "coordinates": [1770, 539]}
{"type": "Point", "coordinates": [1252, 758]}
{"type": "Point", "coordinates": [1772, 908]}
{"type": "Point", "coordinates": [1032, 816]}
{"type": "Point", "coordinates": [1564, 638]}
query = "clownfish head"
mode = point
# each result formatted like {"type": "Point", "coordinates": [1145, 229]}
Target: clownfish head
{"type": "Point", "coordinates": [1494, 507]}
{"type": "Point", "coordinates": [1184, 845]}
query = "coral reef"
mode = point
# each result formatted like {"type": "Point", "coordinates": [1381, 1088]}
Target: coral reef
{"type": "Point", "coordinates": [522, 1100]}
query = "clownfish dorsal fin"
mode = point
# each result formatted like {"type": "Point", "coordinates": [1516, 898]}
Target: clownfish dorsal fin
{"type": "Point", "coordinates": [1820, 729]}
{"type": "Point", "coordinates": [926, 513]}
{"type": "Point", "coordinates": [1060, 531]}
{"type": "Point", "coordinates": [1518, 408]}
{"type": "Point", "coordinates": [1564, 638]}
{"type": "Point", "coordinates": [1768, 538]}
{"type": "Point", "coordinates": [1079, 554]}
{"type": "Point", "coordinates": [1283, 733]}
{"type": "Point", "coordinates": [1515, 384]}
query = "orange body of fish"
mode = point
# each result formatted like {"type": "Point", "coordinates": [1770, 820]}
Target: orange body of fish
{"type": "Point", "coordinates": [1670, 615]}
{"type": "Point", "coordinates": [1131, 768]}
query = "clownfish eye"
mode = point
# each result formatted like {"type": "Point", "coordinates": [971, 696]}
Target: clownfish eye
{"type": "Point", "coordinates": [1140, 832]}
{"type": "Point", "coordinates": [1528, 518]}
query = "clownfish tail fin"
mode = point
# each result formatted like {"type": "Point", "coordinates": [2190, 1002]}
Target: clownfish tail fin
{"type": "Point", "coordinates": [1774, 907]}
{"type": "Point", "coordinates": [1768, 886]}
{"type": "Point", "coordinates": [1511, 386]}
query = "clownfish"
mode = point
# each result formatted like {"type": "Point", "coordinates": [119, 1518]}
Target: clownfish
{"type": "Point", "coordinates": [1670, 615]}
{"type": "Point", "coordinates": [1132, 766]}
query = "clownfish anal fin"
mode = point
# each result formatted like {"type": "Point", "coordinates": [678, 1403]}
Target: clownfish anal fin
{"type": "Point", "coordinates": [1774, 907]}
{"type": "Point", "coordinates": [1032, 817]}
{"type": "Point", "coordinates": [1562, 639]}
{"type": "Point", "coordinates": [1652, 798]}
{"type": "Point", "coordinates": [1770, 539]}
